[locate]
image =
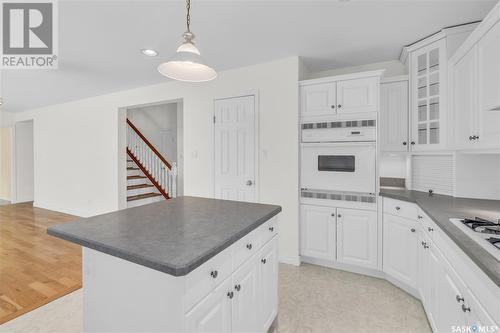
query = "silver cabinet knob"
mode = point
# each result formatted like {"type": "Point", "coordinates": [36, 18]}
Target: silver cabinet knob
{"type": "Point", "coordinates": [230, 294]}
{"type": "Point", "coordinates": [249, 183]}
{"type": "Point", "coordinates": [338, 215]}
{"type": "Point", "coordinates": [465, 308]}
{"type": "Point", "coordinates": [430, 229]}
{"type": "Point", "coordinates": [412, 229]}
{"type": "Point", "coordinates": [263, 260]}
{"type": "Point", "coordinates": [420, 217]}
{"type": "Point", "coordinates": [214, 274]}
{"type": "Point", "coordinates": [237, 287]}
{"type": "Point", "coordinates": [398, 208]}
{"type": "Point", "coordinates": [333, 214]}
{"type": "Point", "coordinates": [459, 299]}
{"type": "Point", "coordinates": [249, 246]}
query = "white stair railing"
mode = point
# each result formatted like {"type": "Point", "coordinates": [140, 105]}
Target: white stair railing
{"type": "Point", "coordinates": [160, 172]}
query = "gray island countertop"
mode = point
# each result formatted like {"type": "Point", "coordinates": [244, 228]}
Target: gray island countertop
{"type": "Point", "coordinates": [440, 208]}
{"type": "Point", "coordinates": [174, 236]}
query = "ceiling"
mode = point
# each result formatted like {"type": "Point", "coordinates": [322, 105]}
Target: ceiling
{"type": "Point", "coordinates": [99, 41]}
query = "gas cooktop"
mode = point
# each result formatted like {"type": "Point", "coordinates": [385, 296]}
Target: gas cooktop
{"type": "Point", "coordinates": [486, 233]}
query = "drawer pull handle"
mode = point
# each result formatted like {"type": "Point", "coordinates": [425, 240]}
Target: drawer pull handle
{"type": "Point", "coordinates": [430, 229]}
{"type": "Point", "coordinates": [249, 246]}
{"type": "Point", "coordinates": [398, 208]}
{"type": "Point", "coordinates": [465, 308]}
{"type": "Point", "coordinates": [412, 229]}
{"type": "Point", "coordinates": [355, 132]}
{"type": "Point", "coordinates": [459, 299]}
{"type": "Point", "coordinates": [230, 294]}
{"type": "Point", "coordinates": [271, 229]}
{"type": "Point", "coordinates": [263, 261]}
{"type": "Point", "coordinates": [237, 287]}
{"type": "Point", "coordinates": [214, 274]}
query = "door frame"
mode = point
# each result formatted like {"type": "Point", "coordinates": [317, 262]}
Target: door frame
{"type": "Point", "coordinates": [14, 165]}
{"type": "Point", "coordinates": [255, 94]}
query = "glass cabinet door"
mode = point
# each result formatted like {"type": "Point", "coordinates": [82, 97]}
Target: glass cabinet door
{"type": "Point", "coordinates": [427, 72]}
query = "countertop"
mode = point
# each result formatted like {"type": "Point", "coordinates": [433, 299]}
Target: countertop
{"type": "Point", "coordinates": [440, 208]}
{"type": "Point", "coordinates": [174, 236]}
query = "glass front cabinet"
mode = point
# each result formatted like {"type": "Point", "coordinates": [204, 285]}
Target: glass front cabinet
{"type": "Point", "coordinates": [428, 68]}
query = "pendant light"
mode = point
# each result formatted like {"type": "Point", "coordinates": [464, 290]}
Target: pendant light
{"type": "Point", "coordinates": [187, 64]}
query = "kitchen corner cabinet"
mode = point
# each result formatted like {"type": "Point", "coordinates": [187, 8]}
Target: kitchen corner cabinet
{"type": "Point", "coordinates": [475, 101]}
{"type": "Point", "coordinates": [428, 96]}
{"type": "Point", "coordinates": [339, 235]}
{"type": "Point", "coordinates": [401, 249]}
{"type": "Point", "coordinates": [335, 97]}
{"type": "Point", "coordinates": [394, 115]}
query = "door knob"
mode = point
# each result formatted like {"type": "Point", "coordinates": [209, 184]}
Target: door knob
{"type": "Point", "coordinates": [249, 183]}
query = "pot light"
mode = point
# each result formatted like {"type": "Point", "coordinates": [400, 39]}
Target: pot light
{"type": "Point", "coordinates": [149, 52]}
{"type": "Point", "coordinates": [187, 64]}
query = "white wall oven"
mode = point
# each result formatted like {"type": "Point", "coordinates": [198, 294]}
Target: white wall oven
{"type": "Point", "coordinates": [339, 166]}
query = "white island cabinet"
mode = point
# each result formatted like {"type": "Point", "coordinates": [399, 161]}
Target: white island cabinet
{"type": "Point", "coordinates": [235, 291]}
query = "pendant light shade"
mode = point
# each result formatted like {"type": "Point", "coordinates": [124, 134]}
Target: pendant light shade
{"type": "Point", "coordinates": [187, 64]}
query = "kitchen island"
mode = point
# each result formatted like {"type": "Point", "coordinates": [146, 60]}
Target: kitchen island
{"type": "Point", "coordinates": [184, 265]}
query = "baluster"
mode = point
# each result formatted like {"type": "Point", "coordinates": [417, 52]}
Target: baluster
{"type": "Point", "coordinates": [174, 180]}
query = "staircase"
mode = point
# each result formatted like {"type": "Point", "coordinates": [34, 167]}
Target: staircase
{"type": "Point", "coordinates": [150, 178]}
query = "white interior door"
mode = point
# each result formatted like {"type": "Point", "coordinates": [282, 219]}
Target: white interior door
{"type": "Point", "coordinates": [235, 148]}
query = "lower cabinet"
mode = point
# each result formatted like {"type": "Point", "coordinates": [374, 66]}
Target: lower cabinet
{"type": "Point", "coordinates": [357, 237]}
{"type": "Point", "coordinates": [247, 301]}
{"type": "Point", "coordinates": [413, 258]}
{"type": "Point", "coordinates": [212, 314]}
{"type": "Point", "coordinates": [347, 236]}
{"type": "Point", "coordinates": [400, 249]}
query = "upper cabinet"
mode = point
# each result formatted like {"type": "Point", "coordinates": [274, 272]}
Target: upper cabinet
{"type": "Point", "coordinates": [340, 97]}
{"type": "Point", "coordinates": [427, 62]}
{"type": "Point", "coordinates": [475, 90]}
{"type": "Point", "coordinates": [394, 114]}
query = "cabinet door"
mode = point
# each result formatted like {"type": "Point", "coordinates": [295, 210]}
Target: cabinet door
{"type": "Point", "coordinates": [357, 237]}
{"type": "Point", "coordinates": [400, 249]}
{"type": "Point", "coordinates": [318, 99]}
{"type": "Point", "coordinates": [357, 95]}
{"type": "Point", "coordinates": [317, 232]}
{"type": "Point", "coordinates": [268, 285]}
{"type": "Point", "coordinates": [488, 50]}
{"type": "Point", "coordinates": [394, 116]}
{"type": "Point", "coordinates": [464, 100]}
{"type": "Point", "coordinates": [447, 311]}
{"type": "Point", "coordinates": [428, 91]}
{"type": "Point", "coordinates": [246, 303]}
{"type": "Point", "coordinates": [213, 313]}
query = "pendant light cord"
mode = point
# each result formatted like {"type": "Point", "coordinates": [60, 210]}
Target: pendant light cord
{"type": "Point", "coordinates": [188, 16]}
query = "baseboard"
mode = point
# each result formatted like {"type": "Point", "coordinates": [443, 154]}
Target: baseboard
{"type": "Point", "coordinates": [55, 208]}
{"type": "Point", "coordinates": [290, 260]}
{"type": "Point", "coordinates": [344, 267]}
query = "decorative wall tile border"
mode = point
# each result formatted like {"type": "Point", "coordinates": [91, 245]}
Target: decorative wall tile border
{"type": "Point", "coordinates": [343, 196]}
{"type": "Point", "coordinates": [340, 124]}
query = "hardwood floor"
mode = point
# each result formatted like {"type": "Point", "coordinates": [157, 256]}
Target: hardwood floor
{"type": "Point", "coordinates": [35, 268]}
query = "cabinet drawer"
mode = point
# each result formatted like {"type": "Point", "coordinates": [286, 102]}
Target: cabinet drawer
{"type": "Point", "coordinates": [269, 230]}
{"type": "Point", "coordinates": [247, 246]}
{"type": "Point", "coordinates": [207, 277]}
{"type": "Point", "coordinates": [400, 208]}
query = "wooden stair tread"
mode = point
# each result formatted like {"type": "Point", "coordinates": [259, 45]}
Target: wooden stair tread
{"type": "Point", "coordinates": [136, 177]}
{"type": "Point", "coordinates": [135, 187]}
{"type": "Point", "coordinates": [143, 196]}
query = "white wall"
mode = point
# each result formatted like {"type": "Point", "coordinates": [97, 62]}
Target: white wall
{"type": "Point", "coordinates": [154, 122]}
{"type": "Point", "coordinates": [79, 146]}
{"type": "Point", "coordinates": [392, 68]}
{"type": "Point", "coordinates": [478, 176]}
{"type": "Point", "coordinates": [393, 165]}
{"type": "Point", "coordinates": [23, 190]}
{"type": "Point", "coordinates": [5, 163]}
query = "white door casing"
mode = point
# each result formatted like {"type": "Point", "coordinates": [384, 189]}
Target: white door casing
{"type": "Point", "coordinates": [235, 148]}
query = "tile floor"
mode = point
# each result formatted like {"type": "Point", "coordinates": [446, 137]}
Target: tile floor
{"type": "Point", "coordinates": [312, 299]}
